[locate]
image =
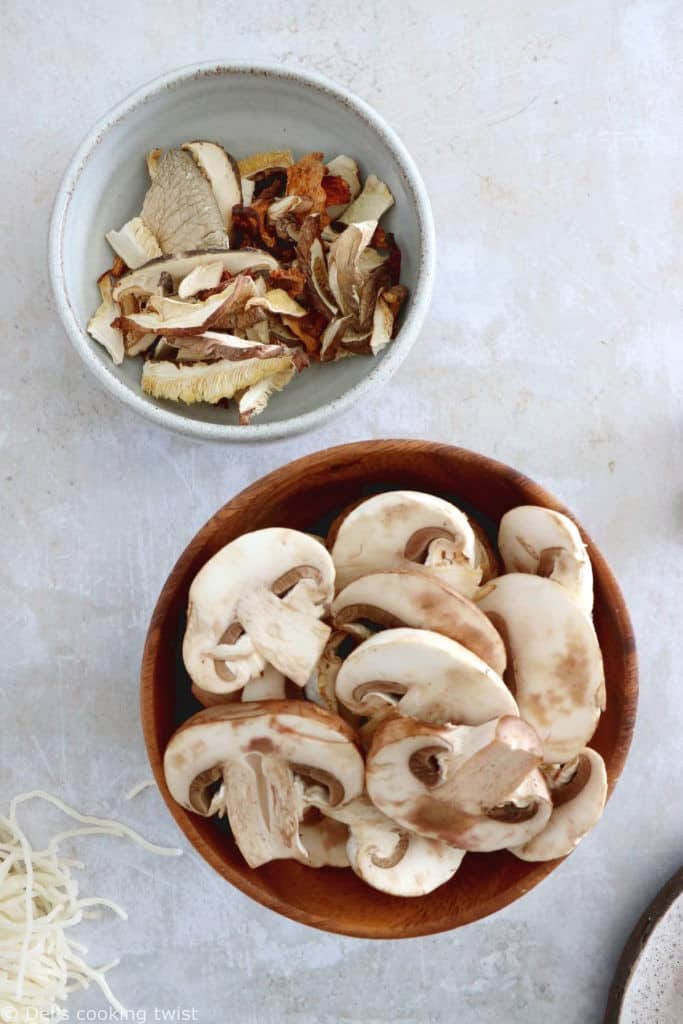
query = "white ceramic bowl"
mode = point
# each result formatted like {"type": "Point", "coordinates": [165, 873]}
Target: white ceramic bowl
{"type": "Point", "coordinates": [248, 108]}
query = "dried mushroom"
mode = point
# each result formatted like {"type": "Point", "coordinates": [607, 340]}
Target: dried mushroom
{"type": "Point", "coordinates": [248, 248]}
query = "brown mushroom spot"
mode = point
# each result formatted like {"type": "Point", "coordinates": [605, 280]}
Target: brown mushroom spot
{"type": "Point", "coordinates": [396, 855]}
{"type": "Point", "coordinates": [512, 813]}
{"type": "Point", "coordinates": [544, 708]}
{"type": "Point", "coordinates": [529, 548]}
{"type": "Point", "coordinates": [509, 675]}
{"type": "Point", "coordinates": [418, 543]}
{"type": "Point", "coordinates": [379, 686]}
{"type": "Point", "coordinates": [571, 789]}
{"type": "Point", "coordinates": [572, 670]}
{"type": "Point", "coordinates": [440, 817]}
{"type": "Point", "coordinates": [260, 745]}
{"type": "Point", "coordinates": [289, 579]}
{"type": "Point", "coordinates": [372, 613]}
{"type": "Point", "coordinates": [426, 765]}
{"type": "Point", "coordinates": [547, 561]}
{"type": "Point", "coordinates": [200, 788]}
{"type": "Point", "coordinates": [313, 775]}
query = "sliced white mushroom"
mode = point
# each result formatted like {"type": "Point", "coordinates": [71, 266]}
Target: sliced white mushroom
{"type": "Point", "coordinates": [270, 685]}
{"type": "Point", "coordinates": [203, 277]}
{"type": "Point", "coordinates": [208, 382]}
{"type": "Point", "coordinates": [578, 797]}
{"type": "Point", "coordinates": [554, 662]}
{"type": "Point", "coordinates": [423, 674]}
{"type": "Point", "coordinates": [325, 841]}
{"type": "Point", "coordinates": [372, 203]}
{"type": "Point", "coordinates": [388, 857]}
{"type": "Point", "coordinates": [100, 328]}
{"type": "Point", "coordinates": [262, 764]}
{"type": "Point", "coordinates": [222, 173]}
{"type": "Point", "coordinates": [407, 530]}
{"type": "Point", "coordinates": [344, 167]}
{"type": "Point", "coordinates": [134, 243]}
{"type": "Point", "coordinates": [541, 541]}
{"type": "Point", "coordinates": [470, 787]}
{"type": "Point", "coordinates": [407, 598]}
{"type": "Point", "coordinates": [145, 280]}
{"type": "Point", "coordinates": [258, 601]}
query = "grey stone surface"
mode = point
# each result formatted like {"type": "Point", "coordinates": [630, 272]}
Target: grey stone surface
{"type": "Point", "coordinates": [550, 137]}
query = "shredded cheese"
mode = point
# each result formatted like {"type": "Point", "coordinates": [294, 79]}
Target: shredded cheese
{"type": "Point", "coordinates": [39, 903]}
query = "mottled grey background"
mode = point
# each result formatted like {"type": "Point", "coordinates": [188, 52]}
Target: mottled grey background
{"type": "Point", "coordinates": [549, 135]}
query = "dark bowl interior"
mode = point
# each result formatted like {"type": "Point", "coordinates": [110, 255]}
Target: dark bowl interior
{"type": "Point", "coordinates": [307, 495]}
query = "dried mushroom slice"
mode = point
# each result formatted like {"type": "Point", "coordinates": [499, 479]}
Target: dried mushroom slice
{"type": "Point", "coordinates": [134, 243]}
{"type": "Point", "coordinates": [470, 787]}
{"type": "Point", "coordinates": [258, 600]}
{"type": "Point", "coordinates": [222, 173]}
{"type": "Point", "coordinates": [180, 208]}
{"type": "Point", "coordinates": [555, 665]}
{"type": "Point", "coordinates": [208, 382]}
{"type": "Point", "coordinates": [145, 280]}
{"type": "Point", "coordinates": [265, 163]}
{"type": "Point", "coordinates": [100, 326]}
{"type": "Point", "coordinates": [372, 203]}
{"type": "Point", "coordinates": [423, 674]}
{"type": "Point", "coordinates": [346, 168]}
{"type": "Point", "coordinates": [179, 318]}
{"type": "Point", "coordinates": [254, 399]}
{"type": "Point", "coordinates": [263, 764]}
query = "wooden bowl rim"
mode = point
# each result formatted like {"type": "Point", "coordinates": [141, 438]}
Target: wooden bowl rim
{"type": "Point", "coordinates": [250, 884]}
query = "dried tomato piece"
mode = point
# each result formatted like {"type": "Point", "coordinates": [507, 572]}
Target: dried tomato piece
{"type": "Point", "coordinates": [337, 190]}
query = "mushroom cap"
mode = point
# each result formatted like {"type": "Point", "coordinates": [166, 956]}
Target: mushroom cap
{"type": "Point", "coordinates": [407, 598]}
{"type": "Point", "coordinates": [469, 787]}
{"type": "Point", "coordinates": [271, 759]}
{"type": "Point", "coordinates": [555, 665]}
{"type": "Point", "coordinates": [407, 530]}
{"type": "Point", "coordinates": [543, 542]}
{"type": "Point", "coordinates": [577, 806]}
{"type": "Point", "coordinates": [431, 676]}
{"type": "Point", "coordinates": [390, 859]}
{"type": "Point", "coordinates": [236, 623]}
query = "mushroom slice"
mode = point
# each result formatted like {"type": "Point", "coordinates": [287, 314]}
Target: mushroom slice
{"type": "Point", "coordinates": [325, 841]}
{"type": "Point", "coordinates": [134, 243]}
{"type": "Point", "coordinates": [345, 277]}
{"type": "Point", "coordinates": [541, 541]}
{"type": "Point", "coordinates": [372, 203]}
{"type": "Point", "coordinates": [277, 302]}
{"type": "Point", "coordinates": [254, 399]}
{"type": "Point", "coordinates": [218, 345]}
{"type": "Point", "coordinates": [180, 208]}
{"type": "Point", "coordinates": [387, 308]}
{"type": "Point", "coordinates": [331, 342]}
{"type": "Point", "coordinates": [407, 530]}
{"type": "Point", "coordinates": [276, 582]}
{"type": "Point", "coordinates": [262, 163]}
{"type": "Point", "coordinates": [208, 382]}
{"type": "Point", "coordinates": [100, 326]}
{"type": "Point", "coordinates": [176, 318]}
{"type": "Point", "coordinates": [222, 173]}
{"type": "Point", "coordinates": [203, 277]}
{"type": "Point", "coordinates": [145, 280]}
{"type": "Point", "coordinates": [404, 598]}
{"type": "Point", "coordinates": [270, 685]}
{"type": "Point", "coordinates": [344, 167]}
{"type": "Point", "coordinates": [469, 787]}
{"type": "Point", "coordinates": [555, 665]}
{"type": "Point", "coordinates": [263, 763]}
{"type": "Point", "coordinates": [423, 674]}
{"type": "Point", "coordinates": [578, 798]}
{"type": "Point", "coordinates": [388, 857]}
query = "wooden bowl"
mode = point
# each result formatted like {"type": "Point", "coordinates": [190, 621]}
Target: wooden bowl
{"type": "Point", "coordinates": [307, 495]}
